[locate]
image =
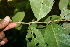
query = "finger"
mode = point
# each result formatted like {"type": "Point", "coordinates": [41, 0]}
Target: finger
{"type": "Point", "coordinates": [4, 22]}
{"type": "Point", "coordinates": [4, 41]}
{"type": "Point", "coordinates": [2, 35]}
{"type": "Point", "coordinates": [11, 25]}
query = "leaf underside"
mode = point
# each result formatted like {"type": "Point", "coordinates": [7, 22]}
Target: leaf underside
{"type": "Point", "coordinates": [65, 13]}
{"type": "Point", "coordinates": [41, 8]}
{"type": "Point", "coordinates": [56, 36]}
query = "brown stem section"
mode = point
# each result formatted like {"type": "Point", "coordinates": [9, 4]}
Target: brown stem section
{"type": "Point", "coordinates": [42, 22]}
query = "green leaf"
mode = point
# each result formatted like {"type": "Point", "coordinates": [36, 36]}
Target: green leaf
{"type": "Point", "coordinates": [65, 14]}
{"type": "Point", "coordinates": [36, 40]}
{"type": "Point", "coordinates": [63, 4]}
{"type": "Point", "coordinates": [63, 7]}
{"type": "Point", "coordinates": [47, 19]}
{"type": "Point", "coordinates": [52, 18]}
{"type": "Point", "coordinates": [18, 18]}
{"type": "Point", "coordinates": [40, 26]}
{"type": "Point", "coordinates": [67, 27]}
{"type": "Point", "coordinates": [19, 26]}
{"type": "Point", "coordinates": [67, 18]}
{"type": "Point", "coordinates": [55, 17]}
{"type": "Point", "coordinates": [41, 8]}
{"type": "Point", "coordinates": [56, 36]}
{"type": "Point", "coordinates": [29, 35]}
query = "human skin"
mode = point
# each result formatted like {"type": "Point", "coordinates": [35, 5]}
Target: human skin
{"type": "Point", "coordinates": [5, 24]}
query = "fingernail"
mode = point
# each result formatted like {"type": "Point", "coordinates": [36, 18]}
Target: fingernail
{"type": "Point", "coordinates": [7, 18]}
{"type": "Point", "coordinates": [2, 42]}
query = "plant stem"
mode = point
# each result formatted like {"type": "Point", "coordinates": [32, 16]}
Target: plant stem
{"type": "Point", "coordinates": [41, 22]}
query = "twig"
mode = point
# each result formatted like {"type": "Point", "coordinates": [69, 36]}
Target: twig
{"type": "Point", "coordinates": [41, 22]}
{"type": "Point", "coordinates": [33, 22]}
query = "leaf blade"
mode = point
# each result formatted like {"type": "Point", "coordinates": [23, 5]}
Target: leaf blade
{"type": "Point", "coordinates": [63, 4]}
{"type": "Point", "coordinates": [18, 18]}
{"type": "Point", "coordinates": [41, 8]}
{"type": "Point", "coordinates": [39, 38]}
{"type": "Point", "coordinates": [53, 36]}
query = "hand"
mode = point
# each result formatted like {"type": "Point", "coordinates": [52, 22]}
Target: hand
{"type": "Point", "coordinates": [5, 24]}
